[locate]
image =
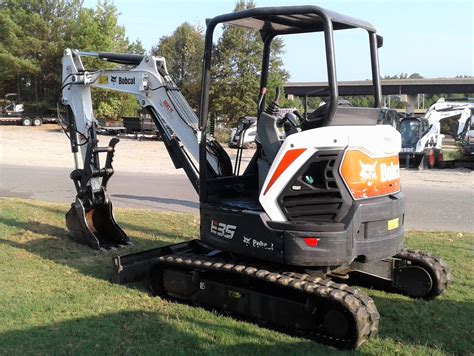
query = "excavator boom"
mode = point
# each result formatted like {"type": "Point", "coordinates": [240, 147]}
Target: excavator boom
{"type": "Point", "coordinates": [90, 219]}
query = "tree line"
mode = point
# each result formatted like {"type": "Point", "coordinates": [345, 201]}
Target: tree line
{"type": "Point", "coordinates": [35, 33]}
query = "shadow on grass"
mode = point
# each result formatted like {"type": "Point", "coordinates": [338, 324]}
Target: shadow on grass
{"type": "Point", "coordinates": [42, 228]}
{"type": "Point", "coordinates": [441, 324]}
{"type": "Point", "coordinates": [32, 204]}
{"type": "Point", "coordinates": [36, 227]}
{"type": "Point", "coordinates": [143, 332]}
{"type": "Point", "coordinates": [161, 235]}
{"type": "Point", "coordinates": [60, 248]}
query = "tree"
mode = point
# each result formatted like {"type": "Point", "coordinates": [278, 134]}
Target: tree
{"type": "Point", "coordinates": [36, 32]}
{"type": "Point", "coordinates": [236, 71]}
{"type": "Point", "coordinates": [236, 67]}
{"type": "Point", "coordinates": [361, 101]}
{"type": "Point", "coordinates": [404, 76]}
{"type": "Point", "coordinates": [98, 31]}
{"type": "Point", "coordinates": [183, 52]}
{"type": "Point", "coordinates": [136, 47]}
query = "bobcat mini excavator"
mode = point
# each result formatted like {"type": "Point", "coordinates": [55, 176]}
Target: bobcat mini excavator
{"type": "Point", "coordinates": [318, 208]}
{"type": "Point", "coordinates": [422, 138]}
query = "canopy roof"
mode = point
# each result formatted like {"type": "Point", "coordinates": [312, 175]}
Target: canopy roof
{"type": "Point", "coordinates": [289, 19]}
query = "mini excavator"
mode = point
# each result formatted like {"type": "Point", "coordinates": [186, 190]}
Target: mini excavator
{"type": "Point", "coordinates": [318, 209]}
{"type": "Point", "coordinates": [422, 137]}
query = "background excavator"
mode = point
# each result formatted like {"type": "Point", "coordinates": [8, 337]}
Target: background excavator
{"type": "Point", "coordinates": [318, 207]}
{"type": "Point", "coordinates": [423, 137]}
{"type": "Point", "coordinates": [13, 106]}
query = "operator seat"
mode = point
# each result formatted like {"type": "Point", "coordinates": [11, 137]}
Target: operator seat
{"type": "Point", "coordinates": [317, 117]}
{"type": "Point", "coordinates": [269, 136]}
{"type": "Point", "coordinates": [270, 139]}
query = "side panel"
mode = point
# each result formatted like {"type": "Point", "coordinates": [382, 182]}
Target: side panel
{"type": "Point", "coordinates": [374, 231]}
{"type": "Point", "coordinates": [241, 231]}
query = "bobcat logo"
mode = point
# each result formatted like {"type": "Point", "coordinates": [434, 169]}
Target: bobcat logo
{"type": "Point", "coordinates": [113, 79]}
{"type": "Point", "coordinates": [367, 172]}
{"type": "Point", "coordinates": [247, 240]}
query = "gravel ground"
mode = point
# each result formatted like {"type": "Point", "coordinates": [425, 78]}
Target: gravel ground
{"type": "Point", "coordinates": [460, 178]}
{"type": "Point", "coordinates": [47, 146]}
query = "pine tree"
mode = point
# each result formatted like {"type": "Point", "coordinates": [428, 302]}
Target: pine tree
{"type": "Point", "coordinates": [33, 37]}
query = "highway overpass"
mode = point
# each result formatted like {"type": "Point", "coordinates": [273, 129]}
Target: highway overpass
{"type": "Point", "coordinates": [389, 87]}
{"type": "Point", "coordinates": [409, 87]}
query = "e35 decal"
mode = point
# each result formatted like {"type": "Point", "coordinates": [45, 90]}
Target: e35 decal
{"type": "Point", "coordinates": [226, 231]}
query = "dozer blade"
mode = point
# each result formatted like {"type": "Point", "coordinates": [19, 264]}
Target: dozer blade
{"type": "Point", "coordinates": [95, 227]}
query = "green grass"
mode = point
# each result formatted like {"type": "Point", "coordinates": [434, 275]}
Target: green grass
{"type": "Point", "coordinates": [222, 136]}
{"type": "Point", "coordinates": [56, 298]}
{"type": "Point", "coordinates": [451, 155]}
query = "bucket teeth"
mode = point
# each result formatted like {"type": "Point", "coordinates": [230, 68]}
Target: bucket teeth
{"type": "Point", "coordinates": [96, 226]}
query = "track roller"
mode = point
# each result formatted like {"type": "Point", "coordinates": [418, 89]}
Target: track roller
{"type": "Point", "coordinates": [412, 273]}
{"type": "Point", "coordinates": [421, 275]}
{"type": "Point", "coordinates": [322, 310]}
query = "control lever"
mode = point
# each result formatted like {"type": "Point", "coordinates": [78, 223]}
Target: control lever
{"type": "Point", "coordinates": [289, 123]}
{"type": "Point", "coordinates": [298, 115]}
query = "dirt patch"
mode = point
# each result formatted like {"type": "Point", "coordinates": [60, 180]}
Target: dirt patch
{"type": "Point", "coordinates": [48, 146]}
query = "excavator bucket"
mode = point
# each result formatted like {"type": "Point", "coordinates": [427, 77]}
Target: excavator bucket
{"type": "Point", "coordinates": [95, 227]}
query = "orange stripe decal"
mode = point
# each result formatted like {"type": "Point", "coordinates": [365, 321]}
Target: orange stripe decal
{"type": "Point", "coordinates": [289, 157]}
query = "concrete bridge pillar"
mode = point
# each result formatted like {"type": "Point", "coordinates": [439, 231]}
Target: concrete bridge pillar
{"type": "Point", "coordinates": [412, 101]}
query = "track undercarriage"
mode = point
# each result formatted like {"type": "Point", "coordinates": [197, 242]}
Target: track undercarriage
{"type": "Point", "coordinates": [305, 303]}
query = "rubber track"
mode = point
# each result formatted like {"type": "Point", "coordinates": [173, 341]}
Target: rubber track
{"type": "Point", "coordinates": [436, 267]}
{"type": "Point", "coordinates": [361, 306]}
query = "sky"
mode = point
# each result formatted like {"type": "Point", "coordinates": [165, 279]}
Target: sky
{"type": "Point", "coordinates": [433, 38]}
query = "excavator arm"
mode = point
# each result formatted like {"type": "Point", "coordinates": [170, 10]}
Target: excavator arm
{"type": "Point", "coordinates": [443, 111]}
{"type": "Point", "coordinates": [147, 79]}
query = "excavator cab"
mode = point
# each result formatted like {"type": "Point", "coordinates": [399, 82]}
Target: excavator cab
{"type": "Point", "coordinates": [321, 179]}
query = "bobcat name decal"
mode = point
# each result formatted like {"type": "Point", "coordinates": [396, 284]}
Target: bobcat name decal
{"type": "Point", "coordinates": [370, 177]}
